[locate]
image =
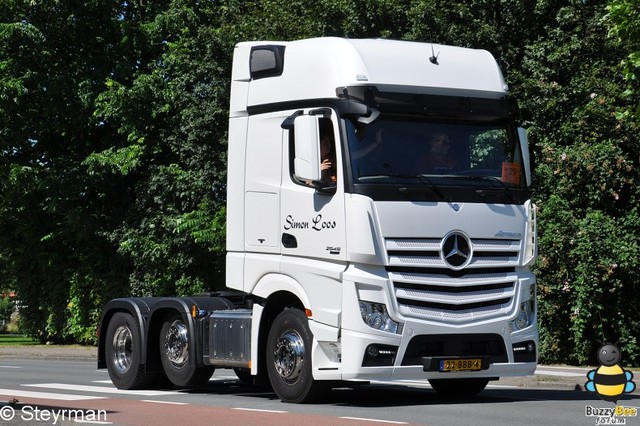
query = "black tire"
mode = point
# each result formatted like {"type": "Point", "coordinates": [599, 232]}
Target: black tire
{"type": "Point", "coordinates": [175, 352]}
{"type": "Point", "coordinates": [458, 388]}
{"type": "Point", "coordinates": [244, 375]}
{"type": "Point", "coordinates": [122, 347]}
{"type": "Point", "coordinates": [289, 359]}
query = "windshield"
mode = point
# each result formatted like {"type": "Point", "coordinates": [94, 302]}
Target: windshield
{"type": "Point", "coordinates": [438, 154]}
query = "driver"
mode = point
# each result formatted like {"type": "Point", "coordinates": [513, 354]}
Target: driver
{"type": "Point", "coordinates": [438, 158]}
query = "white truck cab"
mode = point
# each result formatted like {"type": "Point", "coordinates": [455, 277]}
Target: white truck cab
{"type": "Point", "coordinates": [379, 224]}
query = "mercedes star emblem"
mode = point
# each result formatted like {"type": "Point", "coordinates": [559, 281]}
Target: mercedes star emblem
{"type": "Point", "coordinates": [456, 250]}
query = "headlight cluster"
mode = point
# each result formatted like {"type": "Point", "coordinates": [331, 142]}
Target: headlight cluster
{"type": "Point", "coordinates": [525, 316]}
{"type": "Point", "coordinates": [375, 315]}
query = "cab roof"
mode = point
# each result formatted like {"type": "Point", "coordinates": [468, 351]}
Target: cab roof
{"type": "Point", "coordinates": [317, 68]}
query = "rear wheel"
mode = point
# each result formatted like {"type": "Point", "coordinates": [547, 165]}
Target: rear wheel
{"type": "Point", "coordinates": [175, 355]}
{"type": "Point", "coordinates": [289, 358]}
{"type": "Point", "coordinates": [458, 388]}
{"type": "Point", "coordinates": [123, 353]}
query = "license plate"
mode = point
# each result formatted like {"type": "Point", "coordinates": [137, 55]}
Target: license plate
{"type": "Point", "coordinates": [473, 364]}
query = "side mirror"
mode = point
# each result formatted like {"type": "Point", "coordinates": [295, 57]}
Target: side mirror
{"type": "Point", "coordinates": [524, 148]}
{"type": "Point", "coordinates": [306, 163]}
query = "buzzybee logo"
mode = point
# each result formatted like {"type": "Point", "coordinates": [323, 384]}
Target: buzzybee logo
{"type": "Point", "coordinates": [610, 381]}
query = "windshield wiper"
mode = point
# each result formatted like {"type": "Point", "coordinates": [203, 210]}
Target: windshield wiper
{"type": "Point", "coordinates": [484, 192]}
{"type": "Point", "coordinates": [429, 183]}
{"type": "Point", "coordinates": [425, 181]}
{"type": "Point", "coordinates": [422, 179]}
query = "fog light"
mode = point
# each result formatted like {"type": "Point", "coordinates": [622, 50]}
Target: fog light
{"type": "Point", "coordinates": [524, 318]}
{"type": "Point", "coordinates": [379, 355]}
{"type": "Point", "coordinates": [375, 315]}
{"type": "Point", "coordinates": [524, 352]}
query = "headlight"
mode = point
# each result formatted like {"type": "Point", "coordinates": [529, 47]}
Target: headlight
{"type": "Point", "coordinates": [525, 316]}
{"type": "Point", "coordinates": [375, 315]}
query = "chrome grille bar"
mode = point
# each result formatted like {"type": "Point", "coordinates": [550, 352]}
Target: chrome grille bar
{"type": "Point", "coordinates": [426, 288]}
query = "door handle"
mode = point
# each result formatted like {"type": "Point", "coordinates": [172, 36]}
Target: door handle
{"type": "Point", "coordinates": [289, 241]}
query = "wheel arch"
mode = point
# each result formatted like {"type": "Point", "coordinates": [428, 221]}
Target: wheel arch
{"type": "Point", "coordinates": [150, 313]}
{"type": "Point", "coordinates": [162, 309]}
{"type": "Point", "coordinates": [273, 305]}
{"type": "Point", "coordinates": [157, 318]}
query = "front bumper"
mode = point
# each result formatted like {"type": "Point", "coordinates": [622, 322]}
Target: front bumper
{"type": "Point", "coordinates": [419, 350]}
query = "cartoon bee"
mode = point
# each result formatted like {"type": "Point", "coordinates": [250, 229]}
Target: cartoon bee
{"type": "Point", "coordinates": [610, 380]}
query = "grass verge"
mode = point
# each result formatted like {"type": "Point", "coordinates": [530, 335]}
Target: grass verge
{"type": "Point", "coordinates": [16, 340]}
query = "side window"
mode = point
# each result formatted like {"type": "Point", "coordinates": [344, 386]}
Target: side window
{"type": "Point", "coordinates": [328, 166]}
{"type": "Point", "coordinates": [324, 142]}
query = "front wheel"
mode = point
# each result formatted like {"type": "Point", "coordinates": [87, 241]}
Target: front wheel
{"type": "Point", "coordinates": [458, 388]}
{"type": "Point", "coordinates": [289, 358]}
{"type": "Point", "coordinates": [175, 355]}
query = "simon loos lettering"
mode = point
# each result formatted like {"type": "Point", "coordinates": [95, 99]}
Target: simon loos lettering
{"type": "Point", "coordinates": [317, 223]}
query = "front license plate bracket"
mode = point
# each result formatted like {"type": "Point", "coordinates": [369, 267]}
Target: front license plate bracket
{"type": "Point", "coordinates": [454, 364]}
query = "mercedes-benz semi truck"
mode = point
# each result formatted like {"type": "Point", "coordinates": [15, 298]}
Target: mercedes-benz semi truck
{"type": "Point", "coordinates": [379, 227]}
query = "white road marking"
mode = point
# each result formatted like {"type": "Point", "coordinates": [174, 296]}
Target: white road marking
{"type": "Point", "coordinates": [259, 411]}
{"type": "Point", "coordinates": [413, 383]}
{"type": "Point", "coordinates": [426, 385]}
{"type": "Point", "coordinates": [164, 402]}
{"type": "Point", "coordinates": [9, 366]}
{"type": "Point", "coordinates": [101, 389]}
{"type": "Point", "coordinates": [374, 420]}
{"type": "Point", "coordinates": [46, 395]}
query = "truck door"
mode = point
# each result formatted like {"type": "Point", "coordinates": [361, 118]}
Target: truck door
{"type": "Point", "coordinates": [312, 218]}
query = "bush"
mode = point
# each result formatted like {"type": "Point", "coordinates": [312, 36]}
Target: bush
{"type": "Point", "coordinates": [6, 309]}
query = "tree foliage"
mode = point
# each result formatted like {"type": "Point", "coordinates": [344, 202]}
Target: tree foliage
{"type": "Point", "coordinates": [586, 174]}
{"type": "Point", "coordinates": [623, 19]}
{"type": "Point", "coordinates": [113, 120]}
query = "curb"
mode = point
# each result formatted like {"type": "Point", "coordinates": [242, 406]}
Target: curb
{"type": "Point", "coordinates": [44, 352]}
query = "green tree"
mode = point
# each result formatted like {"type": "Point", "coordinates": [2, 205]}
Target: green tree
{"type": "Point", "coordinates": [623, 20]}
{"type": "Point", "coordinates": [572, 89]}
{"type": "Point", "coordinates": [6, 309]}
{"type": "Point", "coordinates": [54, 57]}
{"type": "Point", "coordinates": [113, 119]}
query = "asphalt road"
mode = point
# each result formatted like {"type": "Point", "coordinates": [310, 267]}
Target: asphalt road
{"type": "Point", "coordinates": [45, 387]}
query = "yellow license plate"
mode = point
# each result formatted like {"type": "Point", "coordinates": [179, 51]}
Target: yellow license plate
{"type": "Point", "coordinates": [473, 364]}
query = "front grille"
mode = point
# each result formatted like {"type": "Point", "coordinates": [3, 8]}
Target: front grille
{"type": "Point", "coordinates": [426, 288]}
{"type": "Point", "coordinates": [455, 345]}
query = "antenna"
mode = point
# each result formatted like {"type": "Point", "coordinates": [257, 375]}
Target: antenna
{"type": "Point", "coordinates": [434, 58]}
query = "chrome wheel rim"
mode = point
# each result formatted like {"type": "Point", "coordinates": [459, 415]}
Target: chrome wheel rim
{"type": "Point", "coordinates": [176, 344]}
{"type": "Point", "coordinates": [289, 356]}
{"type": "Point", "coordinates": [122, 349]}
